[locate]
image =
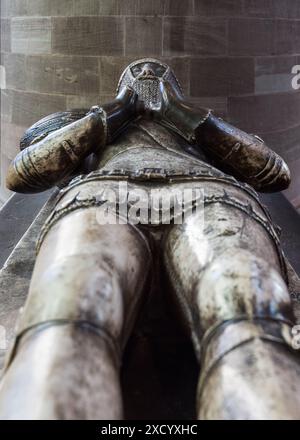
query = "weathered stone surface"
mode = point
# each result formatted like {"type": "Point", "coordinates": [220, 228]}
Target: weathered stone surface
{"type": "Point", "coordinates": [10, 139]}
{"type": "Point", "coordinates": [222, 76]}
{"type": "Point", "coordinates": [265, 113]}
{"type": "Point", "coordinates": [88, 7]}
{"type": "Point", "coordinates": [263, 36]}
{"type": "Point", "coordinates": [251, 37]}
{"type": "Point", "coordinates": [31, 35]}
{"type": "Point", "coordinates": [181, 67]}
{"type": "Point", "coordinates": [13, 8]}
{"type": "Point", "coordinates": [218, 104]}
{"type": "Point", "coordinates": [2, 77]}
{"type": "Point", "coordinates": [272, 8]}
{"type": "Point", "coordinates": [62, 74]}
{"type": "Point", "coordinates": [4, 192]}
{"type": "Point", "coordinates": [274, 74]}
{"type": "Point", "coordinates": [88, 35]}
{"type": "Point", "coordinates": [287, 218]}
{"type": "Point", "coordinates": [14, 65]}
{"type": "Point", "coordinates": [194, 36]}
{"type": "Point", "coordinates": [110, 69]}
{"type": "Point", "coordinates": [227, 8]}
{"type": "Point", "coordinates": [82, 101]}
{"type": "Point", "coordinates": [5, 35]}
{"type": "Point", "coordinates": [178, 7]}
{"type": "Point", "coordinates": [143, 36]}
{"type": "Point", "coordinates": [249, 8]}
{"type": "Point", "coordinates": [146, 7]}
{"type": "Point", "coordinates": [27, 108]}
{"type": "Point", "coordinates": [87, 101]}
{"type": "Point", "coordinates": [287, 36]}
{"type": "Point", "coordinates": [285, 142]}
{"type": "Point", "coordinates": [105, 98]}
{"type": "Point", "coordinates": [46, 8]}
{"type": "Point", "coordinates": [6, 105]}
{"type": "Point", "coordinates": [15, 219]}
{"type": "Point", "coordinates": [134, 7]}
{"type": "Point", "coordinates": [261, 8]}
{"type": "Point", "coordinates": [62, 8]}
{"type": "Point", "coordinates": [292, 193]}
{"type": "Point", "coordinates": [15, 277]}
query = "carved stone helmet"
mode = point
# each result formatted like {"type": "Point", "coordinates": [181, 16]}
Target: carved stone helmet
{"type": "Point", "coordinates": [144, 76]}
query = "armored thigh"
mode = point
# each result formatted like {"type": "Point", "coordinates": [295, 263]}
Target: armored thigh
{"type": "Point", "coordinates": [87, 286]}
{"type": "Point", "coordinates": [228, 275]}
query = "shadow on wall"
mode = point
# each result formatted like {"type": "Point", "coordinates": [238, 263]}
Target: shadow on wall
{"type": "Point", "coordinates": [231, 55]}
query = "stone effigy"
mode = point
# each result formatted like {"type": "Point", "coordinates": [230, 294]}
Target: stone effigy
{"type": "Point", "coordinates": [96, 255]}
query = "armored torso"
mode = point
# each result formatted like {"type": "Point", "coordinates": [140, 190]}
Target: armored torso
{"type": "Point", "coordinates": [146, 145]}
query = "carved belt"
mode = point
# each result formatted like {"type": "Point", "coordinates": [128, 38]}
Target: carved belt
{"type": "Point", "coordinates": [167, 176]}
{"type": "Point", "coordinates": [157, 175]}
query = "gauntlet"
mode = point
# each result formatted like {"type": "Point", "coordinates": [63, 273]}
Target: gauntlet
{"type": "Point", "coordinates": [50, 158]}
{"type": "Point", "coordinates": [244, 156]}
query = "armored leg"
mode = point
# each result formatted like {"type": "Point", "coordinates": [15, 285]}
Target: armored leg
{"type": "Point", "coordinates": [227, 278]}
{"type": "Point", "coordinates": [85, 291]}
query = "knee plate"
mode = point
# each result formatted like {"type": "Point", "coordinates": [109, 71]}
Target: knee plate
{"type": "Point", "coordinates": [237, 284]}
{"type": "Point", "coordinates": [88, 275]}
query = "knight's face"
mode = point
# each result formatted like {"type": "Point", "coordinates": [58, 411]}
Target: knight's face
{"type": "Point", "coordinates": [148, 70]}
{"type": "Point", "coordinates": [144, 76]}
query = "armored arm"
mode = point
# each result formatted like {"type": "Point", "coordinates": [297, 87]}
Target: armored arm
{"type": "Point", "coordinates": [245, 156]}
{"type": "Point", "coordinates": [53, 157]}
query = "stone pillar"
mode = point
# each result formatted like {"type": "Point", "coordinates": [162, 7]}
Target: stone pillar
{"type": "Point", "coordinates": [232, 55]}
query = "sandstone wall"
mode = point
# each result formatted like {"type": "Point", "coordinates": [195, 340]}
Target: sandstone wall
{"type": "Point", "coordinates": [233, 55]}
